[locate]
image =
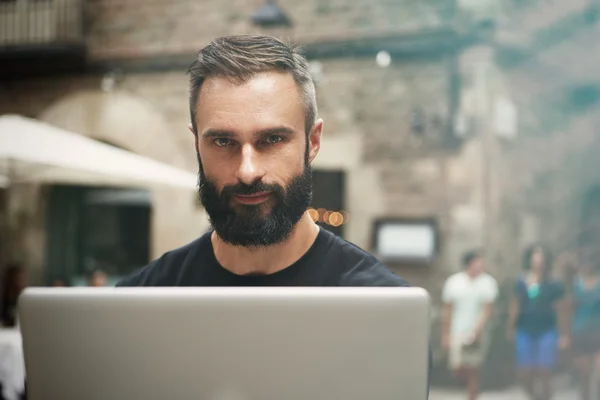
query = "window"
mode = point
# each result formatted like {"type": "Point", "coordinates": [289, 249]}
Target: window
{"type": "Point", "coordinates": [412, 241]}
{"type": "Point", "coordinates": [327, 209]}
{"type": "Point", "coordinates": [115, 230]}
{"type": "Point", "coordinates": [96, 228]}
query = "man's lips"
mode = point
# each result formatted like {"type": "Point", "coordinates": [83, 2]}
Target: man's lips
{"type": "Point", "coordinates": [255, 198]}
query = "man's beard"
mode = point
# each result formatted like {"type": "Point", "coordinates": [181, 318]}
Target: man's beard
{"type": "Point", "coordinates": [258, 225]}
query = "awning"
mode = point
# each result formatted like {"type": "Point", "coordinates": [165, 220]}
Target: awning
{"type": "Point", "coordinates": [33, 151]}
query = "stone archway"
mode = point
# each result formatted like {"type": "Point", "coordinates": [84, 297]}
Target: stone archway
{"type": "Point", "coordinates": [116, 117]}
{"type": "Point", "coordinates": [130, 122]}
{"type": "Point", "coordinates": [550, 201]}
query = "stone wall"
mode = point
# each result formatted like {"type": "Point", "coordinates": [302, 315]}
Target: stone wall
{"type": "Point", "coordinates": [413, 176]}
{"type": "Point", "coordinates": [134, 27]}
{"type": "Point", "coordinates": [551, 164]}
{"type": "Point", "coordinates": [550, 176]}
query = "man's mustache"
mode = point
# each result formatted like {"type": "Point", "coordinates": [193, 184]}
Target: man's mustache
{"type": "Point", "coordinates": [244, 189]}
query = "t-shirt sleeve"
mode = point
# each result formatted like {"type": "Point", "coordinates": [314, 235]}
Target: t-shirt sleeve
{"type": "Point", "coordinates": [491, 292]}
{"type": "Point", "coordinates": [372, 273]}
{"type": "Point", "coordinates": [129, 280]}
{"type": "Point", "coordinates": [448, 291]}
{"type": "Point", "coordinates": [144, 276]}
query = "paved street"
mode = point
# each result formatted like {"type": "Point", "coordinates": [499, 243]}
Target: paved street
{"type": "Point", "coordinates": [513, 394]}
{"type": "Point", "coordinates": [562, 384]}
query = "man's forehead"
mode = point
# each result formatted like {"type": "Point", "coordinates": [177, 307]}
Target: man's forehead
{"type": "Point", "coordinates": [268, 98]}
{"type": "Point", "coordinates": [264, 83]}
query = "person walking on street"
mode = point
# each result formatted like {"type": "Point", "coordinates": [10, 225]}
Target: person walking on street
{"type": "Point", "coordinates": [585, 324]}
{"type": "Point", "coordinates": [468, 298]}
{"type": "Point", "coordinates": [536, 305]}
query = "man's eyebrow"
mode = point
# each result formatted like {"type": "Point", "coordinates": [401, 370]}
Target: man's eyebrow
{"type": "Point", "coordinates": [278, 130]}
{"type": "Point", "coordinates": [224, 133]}
{"type": "Point", "coordinates": [217, 133]}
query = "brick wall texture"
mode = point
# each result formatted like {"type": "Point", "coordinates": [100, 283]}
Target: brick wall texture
{"type": "Point", "coordinates": [135, 27]}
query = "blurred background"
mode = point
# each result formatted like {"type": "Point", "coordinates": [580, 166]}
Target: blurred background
{"type": "Point", "coordinates": [449, 125]}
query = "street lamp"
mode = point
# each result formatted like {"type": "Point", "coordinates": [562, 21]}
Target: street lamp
{"type": "Point", "coordinates": [270, 15]}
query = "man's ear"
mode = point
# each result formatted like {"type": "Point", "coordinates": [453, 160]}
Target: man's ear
{"type": "Point", "coordinates": [314, 140]}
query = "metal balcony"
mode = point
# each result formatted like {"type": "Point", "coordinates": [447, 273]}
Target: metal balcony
{"type": "Point", "coordinates": [40, 35]}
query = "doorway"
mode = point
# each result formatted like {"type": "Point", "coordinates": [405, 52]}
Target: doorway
{"type": "Point", "coordinates": [96, 228]}
{"type": "Point", "coordinates": [328, 205]}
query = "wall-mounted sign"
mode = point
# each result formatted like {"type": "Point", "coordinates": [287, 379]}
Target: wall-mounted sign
{"type": "Point", "coordinates": [405, 240]}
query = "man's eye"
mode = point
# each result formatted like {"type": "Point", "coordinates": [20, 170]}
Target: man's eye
{"type": "Point", "coordinates": [222, 142]}
{"type": "Point", "coordinates": [273, 139]}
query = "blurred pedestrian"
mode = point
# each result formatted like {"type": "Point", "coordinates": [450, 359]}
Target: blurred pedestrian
{"type": "Point", "coordinates": [97, 278]}
{"type": "Point", "coordinates": [60, 281]}
{"type": "Point", "coordinates": [536, 306]}
{"type": "Point", "coordinates": [586, 321]}
{"type": "Point", "coordinates": [468, 297]}
{"type": "Point", "coordinates": [13, 284]}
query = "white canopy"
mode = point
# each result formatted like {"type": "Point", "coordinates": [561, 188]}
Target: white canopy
{"type": "Point", "coordinates": [33, 151]}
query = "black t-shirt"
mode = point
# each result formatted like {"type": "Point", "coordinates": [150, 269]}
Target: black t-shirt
{"type": "Point", "coordinates": [8, 316]}
{"type": "Point", "coordinates": [537, 305]}
{"type": "Point", "coordinates": [330, 261]}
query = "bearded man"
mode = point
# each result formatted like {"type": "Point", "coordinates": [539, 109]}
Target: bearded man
{"type": "Point", "coordinates": [254, 120]}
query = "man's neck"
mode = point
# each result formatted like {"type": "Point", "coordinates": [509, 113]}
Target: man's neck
{"type": "Point", "coordinates": [472, 274]}
{"type": "Point", "coordinates": [534, 277]}
{"type": "Point", "coordinates": [269, 259]}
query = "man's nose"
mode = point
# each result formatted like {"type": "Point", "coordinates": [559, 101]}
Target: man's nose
{"type": "Point", "coordinates": [250, 169]}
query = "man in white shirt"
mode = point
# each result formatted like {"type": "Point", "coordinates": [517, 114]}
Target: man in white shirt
{"type": "Point", "coordinates": [468, 298]}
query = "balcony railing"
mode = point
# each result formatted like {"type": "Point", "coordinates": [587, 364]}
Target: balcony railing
{"type": "Point", "coordinates": [26, 23]}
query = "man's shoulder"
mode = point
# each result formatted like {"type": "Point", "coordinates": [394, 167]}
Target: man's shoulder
{"type": "Point", "coordinates": [461, 276]}
{"type": "Point", "coordinates": [488, 281]}
{"type": "Point", "coordinates": [164, 270]}
{"type": "Point", "coordinates": [489, 278]}
{"type": "Point", "coordinates": [358, 267]}
{"type": "Point", "coordinates": [456, 277]}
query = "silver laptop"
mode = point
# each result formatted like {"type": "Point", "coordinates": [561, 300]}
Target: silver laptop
{"type": "Point", "coordinates": [225, 343]}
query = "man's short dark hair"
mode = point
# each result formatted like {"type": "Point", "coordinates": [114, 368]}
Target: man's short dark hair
{"type": "Point", "coordinates": [469, 257]}
{"type": "Point", "coordinates": [241, 57]}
